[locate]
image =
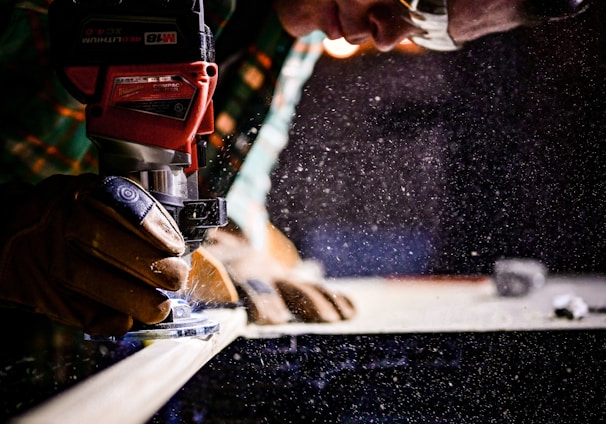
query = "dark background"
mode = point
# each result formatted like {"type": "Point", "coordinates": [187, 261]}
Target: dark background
{"type": "Point", "coordinates": [438, 378]}
{"type": "Point", "coordinates": [433, 163]}
{"type": "Point", "coordinates": [444, 162]}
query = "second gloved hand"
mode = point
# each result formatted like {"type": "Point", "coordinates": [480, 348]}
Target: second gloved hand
{"type": "Point", "coordinates": [274, 284]}
{"type": "Point", "coordinates": [90, 252]}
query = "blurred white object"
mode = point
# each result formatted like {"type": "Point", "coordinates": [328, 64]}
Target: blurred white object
{"type": "Point", "coordinates": [570, 306]}
{"type": "Point", "coordinates": [516, 277]}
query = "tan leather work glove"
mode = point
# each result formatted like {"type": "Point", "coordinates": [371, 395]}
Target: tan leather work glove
{"type": "Point", "coordinates": [274, 284]}
{"type": "Point", "coordinates": [90, 252]}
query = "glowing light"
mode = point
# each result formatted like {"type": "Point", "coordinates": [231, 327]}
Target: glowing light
{"type": "Point", "coordinates": [408, 47]}
{"type": "Point", "coordinates": [339, 48]}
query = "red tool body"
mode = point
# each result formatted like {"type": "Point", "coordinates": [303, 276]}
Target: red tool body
{"type": "Point", "coordinates": [145, 70]}
{"type": "Point", "coordinates": [167, 105]}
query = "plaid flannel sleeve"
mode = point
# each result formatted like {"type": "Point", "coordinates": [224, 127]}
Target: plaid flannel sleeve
{"type": "Point", "coordinates": [41, 125]}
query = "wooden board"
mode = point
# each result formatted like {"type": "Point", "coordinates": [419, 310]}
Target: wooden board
{"type": "Point", "coordinates": [134, 389]}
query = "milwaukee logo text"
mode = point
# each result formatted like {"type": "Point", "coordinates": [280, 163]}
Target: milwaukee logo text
{"type": "Point", "coordinates": [167, 37]}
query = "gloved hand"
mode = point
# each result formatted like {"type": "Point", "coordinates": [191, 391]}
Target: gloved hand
{"type": "Point", "coordinates": [90, 252]}
{"type": "Point", "coordinates": [274, 283]}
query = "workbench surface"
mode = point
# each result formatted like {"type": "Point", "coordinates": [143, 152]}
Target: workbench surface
{"type": "Point", "coordinates": [447, 304]}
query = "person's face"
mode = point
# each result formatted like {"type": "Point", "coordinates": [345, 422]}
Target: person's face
{"type": "Point", "coordinates": [384, 22]}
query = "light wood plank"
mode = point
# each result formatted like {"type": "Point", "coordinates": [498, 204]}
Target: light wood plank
{"type": "Point", "coordinates": [135, 388]}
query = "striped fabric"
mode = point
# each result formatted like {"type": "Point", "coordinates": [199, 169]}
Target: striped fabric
{"type": "Point", "coordinates": [247, 197]}
{"type": "Point", "coordinates": [41, 126]}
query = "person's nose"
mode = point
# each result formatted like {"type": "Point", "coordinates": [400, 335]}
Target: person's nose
{"type": "Point", "coordinates": [388, 30]}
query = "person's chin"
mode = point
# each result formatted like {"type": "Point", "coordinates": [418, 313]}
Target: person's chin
{"type": "Point", "coordinates": [295, 28]}
{"type": "Point", "coordinates": [294, 21]}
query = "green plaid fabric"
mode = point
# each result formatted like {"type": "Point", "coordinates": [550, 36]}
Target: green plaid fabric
{"type": "Point", "coordinates": [41, 126]}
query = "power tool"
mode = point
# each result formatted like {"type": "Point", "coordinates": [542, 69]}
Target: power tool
{"type": "Point", "coordinates": [145, 71]}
